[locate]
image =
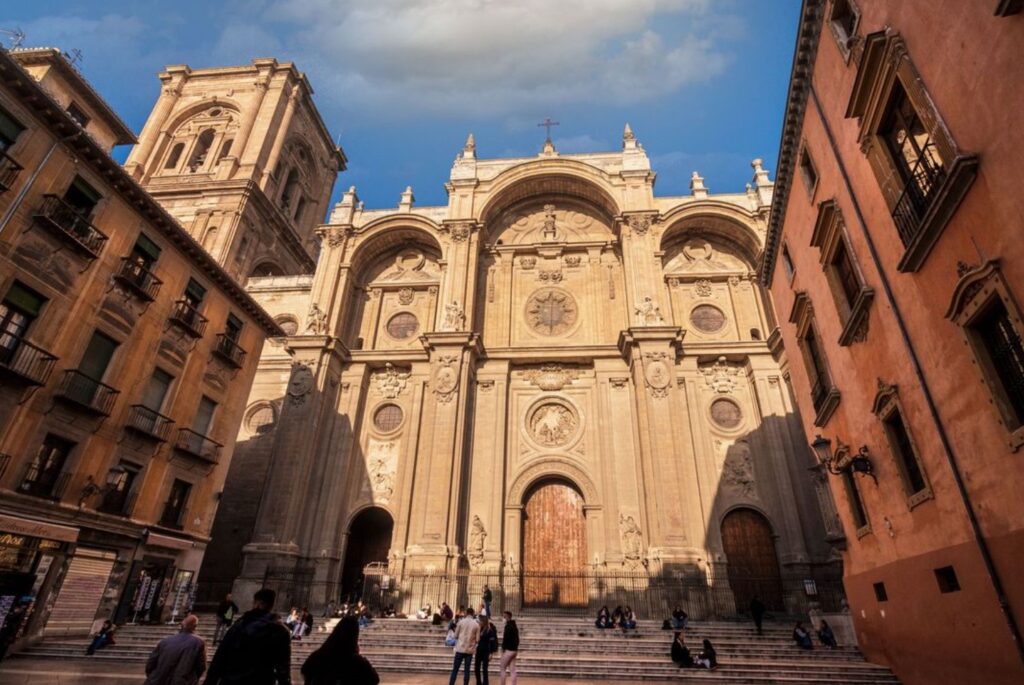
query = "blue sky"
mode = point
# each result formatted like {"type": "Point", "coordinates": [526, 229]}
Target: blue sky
{"type": "Point", "coordinates": [702, 82]}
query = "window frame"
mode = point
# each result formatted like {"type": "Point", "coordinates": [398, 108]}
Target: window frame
{"type": "Point", "coordinates": [803, 316]}
{"type": "Point", "coordinates": [886, 404]}
{"type": "Point", "coordinates": [846, 41]}
{"type": "Point", "coordinates": [855, 503]}
{"type": "Point", "coordinates": [808, 170]}
{"type": "Point", "coordinates": [883, 62]}
{"type": "Point", "coordinates": [828, 236]}
{"type": "Point", "coordinates": [975, 292]}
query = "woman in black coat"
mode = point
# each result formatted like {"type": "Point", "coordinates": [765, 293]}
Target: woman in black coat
{"type": "Point", "coordinates": [680, 652]}
{"type": "Point", "coordinates": [338, 660]}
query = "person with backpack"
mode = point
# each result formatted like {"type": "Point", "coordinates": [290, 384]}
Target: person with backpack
{"type": "Point", "coordinates": [256, 650]}
{"type": "Point", "coordinates": [509, 649]}
{"type": "Point", "coordinates": [487, 646]}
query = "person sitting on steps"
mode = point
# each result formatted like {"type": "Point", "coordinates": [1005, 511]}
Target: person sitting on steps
{"type": "Point", "coordinates": [680, 652]}
{"type": "Point", "coordinates": [707, 657]}
{"type": "Point", "coordinates": [801, 637]}
{"type": "Point", "coordinates": [827, 637]}
{"type": "Point", "coordinates": [604, 619]}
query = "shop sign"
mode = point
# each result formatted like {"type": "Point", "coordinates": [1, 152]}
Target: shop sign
{"type": "Point", "coordinates": [37, 529]}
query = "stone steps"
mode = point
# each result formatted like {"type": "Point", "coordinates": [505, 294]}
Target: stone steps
{"type": "Point", "coordinates": [554, 647]}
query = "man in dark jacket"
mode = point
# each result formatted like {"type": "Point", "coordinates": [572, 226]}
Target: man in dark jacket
{"type": "Point", "coordinates": [509, 648]}
{"type": "Point", "coordinates": [757, 610]}
{"type": "Point", "coordinates": [256, 650]}
{"type": "Point", "coordinates": [226, 612]}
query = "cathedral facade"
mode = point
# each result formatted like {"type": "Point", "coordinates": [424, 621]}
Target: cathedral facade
{"type": "Point", "coordinates": [558, 372]}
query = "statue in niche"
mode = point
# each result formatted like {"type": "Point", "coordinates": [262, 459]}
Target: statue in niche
{"type": "Point", "coordinates": [550, 232]}
{"type": "Point", "coordinates": [316, 321]}
{"type": "Point", "coordinates": [632, 543]}
{"type": "Point", "coordinates": [454, 317]}
{"type": "Point", "coordinates": [648, 312]}
{"type": "Point", "coordinates": [477, 535]}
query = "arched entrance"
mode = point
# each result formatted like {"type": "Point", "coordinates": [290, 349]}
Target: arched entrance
{"type": "Point", "coordinates": [554, 550]}
{"type": "Point", "coordinates": [753, 564]}
{"type": "Point", "coordinates": [369, 540]}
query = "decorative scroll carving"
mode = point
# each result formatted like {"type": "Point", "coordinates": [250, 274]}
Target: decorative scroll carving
{"type": "Point", "coordinates": [477, 537]}
{"type": "Point", "coordinates": [572, 261]}
{"type": "Point", "coordinates": [391, 382]}
{"type": "Point", "coordinates": [618, 382]}
{"type": "Point", "coordinates": [550, 275]}
{"type": "Point", "coordinates": [446, 377]}
{"type": "Point", "coordinates": [459, 232]}
{"type": "Point", "coordinates": [657, 373]}
{"type": "Point", "coordinates": [528, 263]}
{"type": "Point", "coordinates": [551, 376]}
{"type": "Point", "coordinates": [300, 383]}
{"type": "Point", "coordinates": [640, 223]}
{"type": "Point", "coordinates": [721, 376]}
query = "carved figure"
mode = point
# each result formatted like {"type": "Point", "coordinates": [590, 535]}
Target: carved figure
{"type": "Point", "coordinates": [477, 535]}
{"type": "Point", "coordinates": [550, 232]}
{"type": "Point", "coordinates": [316, 320]}
{"type": "Point", "coordinates": [454, 317]}
{"type": "Point", "coordinates": [648, 312]}
{"type": "Point", "coordinates": [632, 542]}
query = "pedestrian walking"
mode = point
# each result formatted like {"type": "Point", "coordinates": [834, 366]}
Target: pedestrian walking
{"type": "Point", "coordinates": [757, 610]}
{"type": "Point", "coordinates": [509, 649]}
{"type": "Point", "coordinates": [338, 661]}
{"type": "Point", "coordinates": [256, 650]}
{"type": "Point", "coordinates": [467, 635]}
{"type": "Point", "coordinates": [179, 659]}
{"type": "Point", "coordinates": [487, 645]}
{"type": "Point", "coordinates": [226, 612]}
{"type": "Point", "coordinates": [487, 597]}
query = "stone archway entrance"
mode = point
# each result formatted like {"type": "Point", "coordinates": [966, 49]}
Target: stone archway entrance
{"type": "Point", "coordinates": [369, 540]}
{"type": "Point", "coordinates": [753, 565]}
{"type": "Point", "coordinates": [554, 550]}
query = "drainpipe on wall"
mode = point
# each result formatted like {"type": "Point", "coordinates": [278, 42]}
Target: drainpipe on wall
{"type": "Point", "coordinates": [979, 538]}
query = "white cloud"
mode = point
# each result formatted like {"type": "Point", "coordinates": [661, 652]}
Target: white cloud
{"type": "Point", "coordinates": [487, 57]}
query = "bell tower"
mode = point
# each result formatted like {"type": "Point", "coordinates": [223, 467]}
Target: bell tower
{"type": "Point", "coordinates": [240, 156]}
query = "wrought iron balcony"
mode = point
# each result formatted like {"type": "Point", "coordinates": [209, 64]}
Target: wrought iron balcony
{"type": "Point", "coordinates": [9, 170]}
{"type": "Point", "coordinates": [87, 393]}
{"type": "Point", "coordinates": [152, 424]}
{"type": "Point", "coordinates": [23, 360]}
{"type": "Point", "coordinates": [67, 223]}
{"type": "Point", "coordinates": [917, 196]}
{"type": "Point", "coordinates": [230, 351]}
{"type": "Point", "coordinates": [138, 278]}
{"type": "Point", "coordinates": [45, 484]}
{"type": "Point", "coordinates": [197, 445]}
{"type": "Point", "coordinates": [189, 319]}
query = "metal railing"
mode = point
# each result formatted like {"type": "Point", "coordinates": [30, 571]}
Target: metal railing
{"type": "Point", "coordinates": [913, 203]}
{"type": "Point", "coordinates": [9, 170]}
{"type": "Point", "coordinates": [140, 279]}
{"type": "Point", "coordinates": [230, 351]}
{"type": "Point", "coordinates": [68, 222]}
{"type": "Point", "coordinates": [189, 318]}
{"type": "Point", "coordinates": [118, 504]}
{"type": "Point", "coordinates": [198, 445]}
{"type": "Point", "coordinates": [44, 484]}
{"type": "Point", "coordinates": [88, 393]}
{"type": "Point", "coordinates": [25, 360]}
{"type": "Point", "coordinates": [146, 421]}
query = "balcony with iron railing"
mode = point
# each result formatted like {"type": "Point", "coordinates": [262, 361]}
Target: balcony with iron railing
{"type": "Point", "coordinates": [925, 177]}
{"type": "Point", "coordinates": [138, 279]}
{"type": "Point", "coordinates": [68, 224]}
{"type": "Point", "coordinates": [88, 394]}
{"type": "Point", "coordinates": [24, 361]}
{"type": "Point", "coordinates": [197, 445]}
{"type": "Point", "coordinates": [229, 350]}
{"type": "Point", "coordinates": [118, 503]}
{"type": "Point", "coordinates": [44, 484]}
{"type": "Point", "coordinates": [9, 170]}
{"type": "Point", "coordinates": [148, 423]}
{"type": "Point", "coordinates": [189, 319]}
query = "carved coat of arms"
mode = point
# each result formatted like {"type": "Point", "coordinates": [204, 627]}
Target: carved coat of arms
{"type": "Point", "coordinates": [657, 373]}
{"type": "Point", "coordinates": [446, 377]}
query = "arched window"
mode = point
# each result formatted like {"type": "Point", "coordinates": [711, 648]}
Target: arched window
{"type": "Point", "coordinates": [210, 238]}
{"type": "Point", "coordinates": [172, 159]}
{"type": "Point", "coordinates": [291, 186]}
{"type": "Point", "coordinates": [267, 269]}
{"type": "Point", "coordinates": [225, 149]}
{"type": "Point", "coordinates": [202, 149]}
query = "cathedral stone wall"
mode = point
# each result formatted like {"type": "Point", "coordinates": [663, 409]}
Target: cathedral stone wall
{"type": "Point", "coordinates": [556, 350]}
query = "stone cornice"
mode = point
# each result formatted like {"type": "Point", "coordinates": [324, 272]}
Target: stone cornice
{"type": "Point", "coordinates": [808, 33]}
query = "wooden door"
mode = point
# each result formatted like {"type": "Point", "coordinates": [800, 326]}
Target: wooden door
{"type": "Point", "coordinates": [753, 565]}
{"type": "Point", "coordinates": [554, 547]}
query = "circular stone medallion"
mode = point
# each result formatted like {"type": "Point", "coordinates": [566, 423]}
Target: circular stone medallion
{"type": "Point", "coordinates": [551, 311]}
{"type": "Point", "coordinates": [552, 424]}
{"type": "Point", "coordinates": [707, 318]}
{"type": "Point", "coordinates": [726, 413]}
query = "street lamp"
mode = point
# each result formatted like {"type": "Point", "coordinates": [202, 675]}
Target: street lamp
{"type": "Point", "coordinates": [842, 461]}
{"type": "Point", "coordinates": [91, 489]}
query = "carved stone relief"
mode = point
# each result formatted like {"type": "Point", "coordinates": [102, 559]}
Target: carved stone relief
{"type": "Point", "coordinates": [406, 295]}
{"type": "Point", "coordinates": [552, 424]}
{"type": "Point", "coordinates": [381, 465]}
{"type": "Point", "coordinates": [648, 313]}
{"type": "Point", "coordinates": [446, 377]}
{"type": "Point", "coordinates": [477, 537]}
{"type": "Point", "coordinates": [702, 288]}
{"type": "Point", "coordinates": [657, 373]}
{"type": "Point", "coordinates": [721, 376]}
{"type": "Point", "coordinates": [632, 541]}
{"type": "Point", "coordinates": [316, 320]}
{"type": "Point", "coordinates": [391, 382]}
{"type": "Point", "coordinates": [551, 376]}
{"type": "Point", "coordinates": [551, 311]}
{"type": "Point", "coordinates": [454, 317]}
{"type": "Point", "coordinates": [738, 469]}
{"type": "Point", "coordinates": [300, 383]}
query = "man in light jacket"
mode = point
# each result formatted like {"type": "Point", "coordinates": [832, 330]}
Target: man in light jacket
{"type": "Point", "coordinates": [467, 635]}
{"type": "Point", "coordinates": [179, 659]}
